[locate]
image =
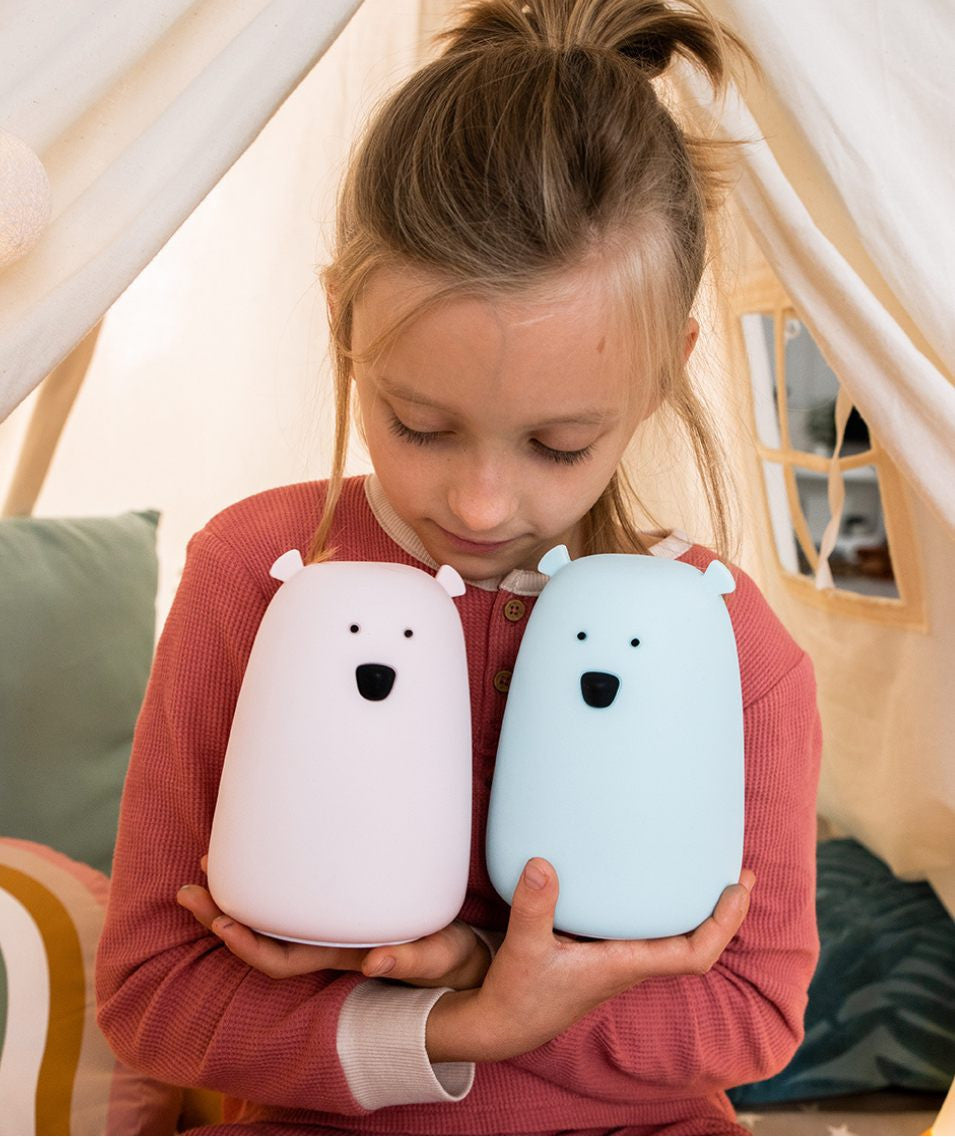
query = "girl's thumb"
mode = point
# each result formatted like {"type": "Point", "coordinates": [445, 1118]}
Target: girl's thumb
{"type": "Point", "coordinates": [535, 897]}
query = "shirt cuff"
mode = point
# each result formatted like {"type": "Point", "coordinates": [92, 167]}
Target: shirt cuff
{"type": "Point", "coordinates": [381, 1046]}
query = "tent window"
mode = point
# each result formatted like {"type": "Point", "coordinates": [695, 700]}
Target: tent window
{"type": "Point", "coordinates": [794, 398]}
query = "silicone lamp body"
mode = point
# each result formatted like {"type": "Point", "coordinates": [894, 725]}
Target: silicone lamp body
{"type": "Point", "coordinates": [344, 807]}
{"type": "Point", "coordinates": [621, 750]}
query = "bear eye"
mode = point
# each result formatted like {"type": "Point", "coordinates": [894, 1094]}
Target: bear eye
{"type": "Point", "coordinates": [634, 642]}
{"type": "Point", "coordinates": [581, 635]}
{"type": "Point", "coordinates": [353, 628]}
{"type": "Point", "coordinates": [408, 633]}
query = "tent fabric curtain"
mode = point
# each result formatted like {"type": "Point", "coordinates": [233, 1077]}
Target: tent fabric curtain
{"type": "Point", "coordinates": [211, 377]}
{"type": "Point", "coordinates": [848, 197]}
{"type": "Point", "coordinates": [845, 186]}
{"type": "Point", "coordinates": [136, 111]}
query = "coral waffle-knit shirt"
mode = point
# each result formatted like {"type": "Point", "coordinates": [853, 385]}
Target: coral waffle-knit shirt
{"type": "Point", "coordinates": [338, 1052]}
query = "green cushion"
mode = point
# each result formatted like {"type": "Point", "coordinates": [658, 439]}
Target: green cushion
{"type": "Point", "coordinates": [77, 625]}
{"type": "Point", "coordinates": [881, 1011]}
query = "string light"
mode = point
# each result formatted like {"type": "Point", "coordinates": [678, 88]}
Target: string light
{"type": "Point", "coordinates": [26, 201]}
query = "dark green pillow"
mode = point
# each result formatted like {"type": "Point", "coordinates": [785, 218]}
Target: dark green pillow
{"type": "Point", "coordinates": [881, 1011]}
{"type": "Point", "coordinates": [77, 628]}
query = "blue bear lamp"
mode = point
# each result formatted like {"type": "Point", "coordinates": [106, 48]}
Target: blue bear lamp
{"type": "Point", "coordinates": [620, 759]}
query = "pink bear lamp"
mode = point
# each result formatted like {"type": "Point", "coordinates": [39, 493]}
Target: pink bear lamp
{"type": "Point", "coordinates": [344, 807]}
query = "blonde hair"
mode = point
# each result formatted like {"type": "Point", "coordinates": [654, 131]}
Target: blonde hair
{"type": "Point", "coordinates": [534, 144]}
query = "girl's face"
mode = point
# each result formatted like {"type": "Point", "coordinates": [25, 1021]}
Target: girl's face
{"type": "Point", "coordinates": [493, 427]}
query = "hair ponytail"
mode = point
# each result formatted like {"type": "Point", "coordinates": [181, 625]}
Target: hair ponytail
{"type": "Point", "coordinates": [647, 32]}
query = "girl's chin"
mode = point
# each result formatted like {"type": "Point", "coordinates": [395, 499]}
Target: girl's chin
{"type": "Point", "coordinates": [446, 540]}
{"type": "Point", "coordinates": [477, 566]}
{"type": "Point", "coordinates": [479, 563]}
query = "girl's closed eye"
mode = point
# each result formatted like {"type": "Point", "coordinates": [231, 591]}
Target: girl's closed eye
{"type": "Point", "coordinates": [418, 437]}
{"type": "Point", "coordinates": [428, 437]}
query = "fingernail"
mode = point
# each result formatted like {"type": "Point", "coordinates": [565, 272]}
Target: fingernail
{"type": "Point", "coordinates": [534, 877]}
{"type": "Point", "coordinates": [384, 967]}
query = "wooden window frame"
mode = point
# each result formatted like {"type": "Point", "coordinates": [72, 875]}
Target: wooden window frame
{"type": "Point", "coordinates": [763, 295]}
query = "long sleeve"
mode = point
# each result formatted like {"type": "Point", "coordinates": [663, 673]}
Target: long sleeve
{"type": "Point", "coordinates": [172, 999]}
{"type": "Point", "coordinates": [320, 1048]}
{"type": "Point", "coordinates": [742, 1021]}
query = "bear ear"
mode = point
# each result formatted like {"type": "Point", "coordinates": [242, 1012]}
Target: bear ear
{"type": "Point", "coordinates": [450, 580]}
{"type": "Point", "coordinates": [718, 578]}
{"type": "Point", "coordinates": [287, 565]}
{"type": "Point", "coordinates": [554, 560]}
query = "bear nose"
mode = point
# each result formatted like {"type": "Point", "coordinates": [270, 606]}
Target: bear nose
{"type": "Point", "coordinates": [375, 680]}
{"type": "Point", "coordinates": [599, 688]}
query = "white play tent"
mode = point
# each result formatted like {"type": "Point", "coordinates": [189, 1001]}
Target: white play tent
{"type": "Point", "coordinates": [190, 153]}
{"type": "Point", "coordinates": [167, 181]}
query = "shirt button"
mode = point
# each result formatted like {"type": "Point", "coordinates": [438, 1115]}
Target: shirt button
{"type": "Point", "coordinates": [502, 681]}
{"type": "Point", "coordinates": [514, 610]}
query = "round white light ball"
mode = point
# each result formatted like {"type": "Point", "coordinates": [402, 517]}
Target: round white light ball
{"type": "Point", "coordinates": [25, 198]}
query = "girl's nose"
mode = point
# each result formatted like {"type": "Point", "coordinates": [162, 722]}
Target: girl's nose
{"type": "Point", "coordinates": [483, 502]}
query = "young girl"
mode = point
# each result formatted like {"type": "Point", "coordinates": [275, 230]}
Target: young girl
{"type": "Point", "coordinates": [521, 237]}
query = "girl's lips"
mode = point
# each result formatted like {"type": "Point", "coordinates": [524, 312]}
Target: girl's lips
{"type": "Point", "coordinates": [473, 546]}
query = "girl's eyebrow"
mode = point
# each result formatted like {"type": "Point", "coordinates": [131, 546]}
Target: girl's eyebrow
{"type": "Point", "coordinates": [589, 416]}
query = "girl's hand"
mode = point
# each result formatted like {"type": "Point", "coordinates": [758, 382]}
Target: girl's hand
{"type": "Point", "coordinates": [452, 957]}
{"type": "Point", "coordinates": [540, 983]}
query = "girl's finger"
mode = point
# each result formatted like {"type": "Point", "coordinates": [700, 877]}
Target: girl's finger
{"type": "Point", "coordinates": [264, 954]}
{"type": "Point", "coordinates": [197, 900]}
{"type": "Point", "coordinates": [533, 903]}
{"type": "Point", "coordinates": [707, 942]}
{"type": "Point", "coordinates": [280, 959]}
{"type": "Point", "coordinates": [276, 958]}
{"type": "Point", "coordinates": [428, 958]}
{"type": "Point", "coordinates": [697, 951]}
{"type": "Point", "coordinates": [395, 961]}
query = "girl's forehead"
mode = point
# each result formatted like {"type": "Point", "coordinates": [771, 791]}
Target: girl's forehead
{"type": "Point", "coordinates": [560, 347]}
{"type": "Point", "coordinates": [545, 348]}
{"type": "Point", "coordinates": [547, 322]}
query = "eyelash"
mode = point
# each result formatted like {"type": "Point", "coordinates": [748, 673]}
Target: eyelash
{"type": "Point", "coordinates": [426, 438]}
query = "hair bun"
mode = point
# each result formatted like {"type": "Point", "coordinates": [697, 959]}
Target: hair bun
{"type": "Point", "coordinates": [646, 32]}
{"type": "Point", "coordinates": [650, 52]}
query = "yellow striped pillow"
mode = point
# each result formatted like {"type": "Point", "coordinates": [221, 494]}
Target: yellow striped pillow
{"type": "Point", "coordinates": [57, 1073]}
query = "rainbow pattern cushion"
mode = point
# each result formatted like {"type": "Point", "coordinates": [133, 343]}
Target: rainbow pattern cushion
{"type": "Point", "coordinates": [57, 1073]}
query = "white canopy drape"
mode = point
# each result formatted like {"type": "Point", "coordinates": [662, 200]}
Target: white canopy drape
{"type": "Point", "coordinates": [136, 111]}
{"type": "Point", "coordinates": [849, 196]}
{"type": "Point", "coordinates": [211, 378]}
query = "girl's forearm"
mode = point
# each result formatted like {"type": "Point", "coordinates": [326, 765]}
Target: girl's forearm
{"type": "Point", "coordinates": [455, 1031]}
